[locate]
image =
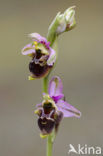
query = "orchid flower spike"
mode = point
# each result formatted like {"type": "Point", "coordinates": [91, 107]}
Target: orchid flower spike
{"type": "Point", "coordinates": [43, 56]}
{"type": "Point", "coordinates": [53, 108]}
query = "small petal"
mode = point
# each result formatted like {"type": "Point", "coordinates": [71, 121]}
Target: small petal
{"type": "Point", "coordinates": [39, 105]}
{"type": "Point", "coordinates": [28, 50]}
{"type": "Point", "coordinates": [38, 111]}
{"type": "Point", "coordinates": [38, 37]}
{"type": "Point", "coordinates": [52, 57]}
{"type": "Point", "coordinates": [55, 88]}
{"type": "Point", "coordinates": [67, 109]}
{"type": "Point", "coordinates": [56, 98]}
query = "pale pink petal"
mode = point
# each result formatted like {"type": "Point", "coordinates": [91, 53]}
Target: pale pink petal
{"type": "Point", "coordinates": [39, 105]}
{"type": "Point", "coordinates": [67, 109]}
{"type": "Point", "coordinates": [38, 37]}
{"type": "Point", "coordinates": [52, 57]}
{"type": "Point", "coordinates": [55, 88]}
{"type": "Point", "coordinates": [28, 49]}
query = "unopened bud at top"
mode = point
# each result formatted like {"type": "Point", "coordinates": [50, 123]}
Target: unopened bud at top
{"type": "Point", "coordinates": [66, 20]}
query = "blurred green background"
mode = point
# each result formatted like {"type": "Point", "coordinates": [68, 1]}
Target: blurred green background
{"type": "Point", "coordinates": [80, 66]}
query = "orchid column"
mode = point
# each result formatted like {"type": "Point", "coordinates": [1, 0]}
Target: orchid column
{"type": "Point", "coordinates": [43, 53]}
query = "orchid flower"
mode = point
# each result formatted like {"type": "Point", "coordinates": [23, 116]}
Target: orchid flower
{"type": "Point", "coordinates": [54, 107]}
{"type": "Point", "coordinates": [43, 56]}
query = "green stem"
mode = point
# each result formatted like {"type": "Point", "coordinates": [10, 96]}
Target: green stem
{"type": "Point", "coordinates": [52, 38]}
{"type": "Point", "coordinates": [49, 145]}
{"type": "Point", "coordinates": [45, 84]}
{"type": "Point", "coordinates": [51, 137]}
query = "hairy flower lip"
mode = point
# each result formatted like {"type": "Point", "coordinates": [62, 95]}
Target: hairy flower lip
{"type": "Point", "coordinates": [38, 71]}
{"type": "Point", "coordinates": [47, 122]}
{"type": "Point", "coordinates": [46, 125]}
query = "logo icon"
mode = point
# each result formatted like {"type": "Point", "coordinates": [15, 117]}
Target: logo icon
{"type": "Point", "coordinates": [72, 149]}
{"type": "Point", "coordinates": [84, 150]}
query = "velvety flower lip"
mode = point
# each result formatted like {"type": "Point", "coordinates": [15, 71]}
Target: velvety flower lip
{"type": "Point", "coordinates": [43, 56]}
{"type": "Point", "coordinates": [55, 92]}
{"type": "Point", "coordinates": [46, 121]}
{"type": "Point", "coordinates": [46, 125]}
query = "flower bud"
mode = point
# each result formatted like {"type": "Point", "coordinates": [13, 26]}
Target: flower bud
{"type": "Point", "coordinates": [70, 18]}
{"type": "Point", "coordinates": [66, 20]}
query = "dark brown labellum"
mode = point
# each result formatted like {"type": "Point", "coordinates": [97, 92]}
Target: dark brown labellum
{"type": "Point", "coordinates": [46, 125]}
{"type": "Point", "coordinates": [37, 70]}
{"type": "Point", "coordinates": [49, 118]}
